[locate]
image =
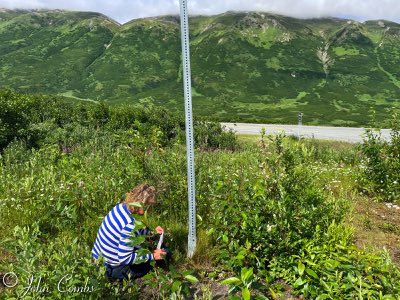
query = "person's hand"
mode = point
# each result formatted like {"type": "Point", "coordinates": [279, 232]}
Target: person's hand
{"type": "Point", "coordinates": [159, 254]}
{"type": "Point", "coordinates": [159, 230]}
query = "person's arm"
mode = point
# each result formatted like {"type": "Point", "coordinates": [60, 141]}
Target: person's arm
{"type": "Point", "coordinates": [143, 231]}
{"type": "Point", "coordinates": [126, 252]}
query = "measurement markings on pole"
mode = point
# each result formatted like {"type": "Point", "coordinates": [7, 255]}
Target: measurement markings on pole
{"type": "Point", "coordinates": [189, 127]}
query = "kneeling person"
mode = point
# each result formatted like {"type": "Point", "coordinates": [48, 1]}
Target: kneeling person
{"type": "Point", "coordinates": [113, 237]}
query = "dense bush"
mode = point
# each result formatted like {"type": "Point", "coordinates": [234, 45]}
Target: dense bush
{"type": "Point", "coordinates": [212, 135]}
{"type": "Point", "coordinates": [274, 208]}
{"type": "Point", "coordinates": [14, 116]}
{"type": "Point", "coordinates": [33, 117]}
{"type": "Point", "coordinates": [380, 173]}
{"type": "Point", "coordinates": [329, 266]}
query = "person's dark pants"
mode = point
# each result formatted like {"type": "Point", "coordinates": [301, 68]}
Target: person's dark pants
{"type": "Point", "coordinates": [128, 271]}
{"type": "Point", "coordinates": [135, 270]}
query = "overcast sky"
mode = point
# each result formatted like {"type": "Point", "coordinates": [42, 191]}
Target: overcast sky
{"type": "Point", "coordinates": [125, 10]}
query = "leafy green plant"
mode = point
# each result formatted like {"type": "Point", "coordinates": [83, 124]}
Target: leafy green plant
{"type": "Point", "coordinates": [169, 284]}
{"type": "Point", "coordinates": [243, 284]}
{"type": "Point", "coordinates": [380, 170]}
{"type": "Point", "coordinates": [331, 267]}
{"type": "Point", "coordinates": [283, 205]}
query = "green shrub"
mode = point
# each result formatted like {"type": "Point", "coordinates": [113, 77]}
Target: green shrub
{"type": "Point", "coordinates": [329, 266]}
{"type": "Point", "coordinates": [273, 212]}
{"type": "Point", "coordinates": [34, 117]}
{"type": "Point", "coordinates": [212, 135]}
{"type": "Point", "coordinates": [14, 116]}
{"type": "Point", "coordinates": [380, 169]}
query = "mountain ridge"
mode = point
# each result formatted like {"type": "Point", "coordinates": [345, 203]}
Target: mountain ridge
{"type": "Point", "coordinates": [254, 66]}
{"type": "Point", "coordinates": [23, 10]}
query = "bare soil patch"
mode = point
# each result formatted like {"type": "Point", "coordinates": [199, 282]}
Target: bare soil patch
{"type": "Point", "coordinates": [377, 226]}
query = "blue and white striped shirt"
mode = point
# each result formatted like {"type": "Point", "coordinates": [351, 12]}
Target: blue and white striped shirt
{"type": "Point", "coordinates": [112, 240]}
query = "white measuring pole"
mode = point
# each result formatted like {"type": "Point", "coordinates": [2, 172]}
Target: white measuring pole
{"type": "Point", "coordinates": [187, 86]}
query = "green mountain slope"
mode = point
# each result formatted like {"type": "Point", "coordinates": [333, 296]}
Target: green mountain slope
{"type": "Point", "coordinates": [253, 67]}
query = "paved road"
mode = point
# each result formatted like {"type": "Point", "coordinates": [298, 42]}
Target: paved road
{"type": "Point", "coordinates": [346, 134]}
